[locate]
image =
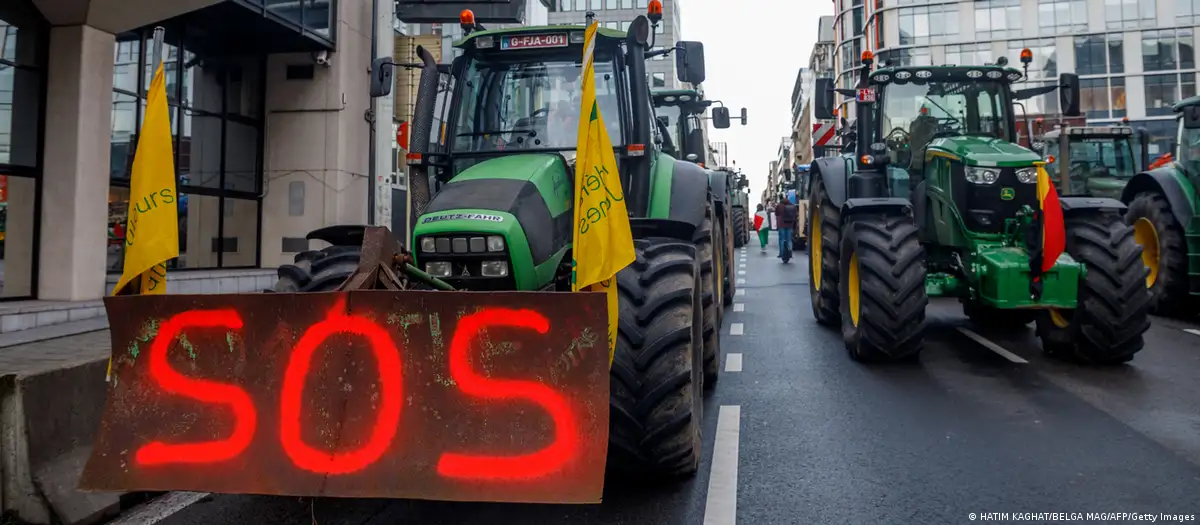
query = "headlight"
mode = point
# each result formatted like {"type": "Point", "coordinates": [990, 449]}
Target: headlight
{"type": "Point", "coordinates": [438, 269]}
{"type": "Point", "coordinates": [494, 269]}
{"type": "Point", "coordinates": [1027, 175]}
{"type": "Point", "coordinates": [982, 175]}
{"type": "Point", "coordinates": [428, 245]}
{"type": "Point", "coordinates": [477, 244]}
{"type": "Point", "coordinates": [459, 245]}
{"type": "Point", "coordinates": [495, 243]}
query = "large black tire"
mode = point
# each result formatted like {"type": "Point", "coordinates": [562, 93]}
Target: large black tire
{"type": "Point", "coordinates": [883, 266]}
{"type": "Point", "coordinates": [706, 255]}
{"type": "Point", "coordinates": [728, 265]}
{"type": "Point", "coordinates": [997, 318]}
{"type": "Point", "coordinates": [1113, 306]}
{"type": "Point", "coordinates": [656, 378]}
{"type": "Point", "coordinates": [318, 270]}
{"type": "Point", "coordinates": [823, 256]}
{"type": "Point", "coordinates": [1164, 248]}
{"type": "Point", "coordinates": [741, 233]}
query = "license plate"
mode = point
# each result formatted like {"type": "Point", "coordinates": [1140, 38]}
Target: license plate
{"type": "Point", "coordinates": [866, 95]}
{"type": "Point", "coordinates": [534, 41]}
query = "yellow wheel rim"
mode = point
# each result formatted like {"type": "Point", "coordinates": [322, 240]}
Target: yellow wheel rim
{"type": "Point", "coordinates": [1059, 319]}
{"type": "Point", "coordinates": [814, 247]}
{"type": "Point", "coordinates": [1145, 235]}
{"type": "Point", "coordinates": [852, 288]}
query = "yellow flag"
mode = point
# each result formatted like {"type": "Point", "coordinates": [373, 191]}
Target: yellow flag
{"type": "Point", "coordinates": [603, 242]}
{"type": "Point", "coordinates": [152, 230]}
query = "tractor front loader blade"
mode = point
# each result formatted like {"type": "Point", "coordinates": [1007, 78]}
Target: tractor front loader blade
{"type": "Point", "coordinates": [445, 395]}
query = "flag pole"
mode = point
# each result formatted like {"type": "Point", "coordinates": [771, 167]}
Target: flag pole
{"type": "Point", "coordinates": [156, 50]}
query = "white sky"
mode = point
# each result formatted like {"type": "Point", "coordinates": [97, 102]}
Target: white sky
{"type": "Point", "coordinates": [753, 50]}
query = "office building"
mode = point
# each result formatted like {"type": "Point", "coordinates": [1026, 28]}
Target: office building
{"type": "Point", "coordinates": [1135, 57]}
{"type": "Point", "coordinates": [266, 100]}
{"type": "Point", "coordinates": [618, 14]}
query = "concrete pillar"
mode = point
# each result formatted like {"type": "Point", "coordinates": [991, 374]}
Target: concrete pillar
{"type": "Point", "coordinates": [316, 136]}
{"type": "Point", "coordinates": [75, 167]}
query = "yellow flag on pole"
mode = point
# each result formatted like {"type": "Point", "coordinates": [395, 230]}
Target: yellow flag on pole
{"type": "Point", "coordinates": [152, 227]}
{"type": "Point", "coordinates": [152, 230]}
{"type": "Point", "coordinates": [603, 242]}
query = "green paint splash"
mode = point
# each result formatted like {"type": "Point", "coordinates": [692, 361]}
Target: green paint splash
{"type": "Point", "coordinates": [435, 330]}
{"type": "Point", "coordinates": [149, 332]}
{"type": "Point", "coordinates": [187, 345]}
{"type": "Point", "coordinates": [229, 341]}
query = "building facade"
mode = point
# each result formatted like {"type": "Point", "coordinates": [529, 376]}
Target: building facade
{"type": "Point", "coordinates": [267, 101]}
{"type": "Point", "coordinates": [820, 65]}
{"type": "Point", "coordinates": [619, 14]}
{"type": "Point", "coordinates": [1134, 57]}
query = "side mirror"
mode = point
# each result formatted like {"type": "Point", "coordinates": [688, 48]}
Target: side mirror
{"type": "Point", "coordinates": [1068, 94]}
{"type": "Point", "coordinates": [720, 117]}
{"type": "Point", "coordinates": [382, 69]}
{"type": "Point", "coordinates": [689, 62]}
{"type": "Point", "coordinates": [1191, 117]}
{"type": "Point", "coordinates": [691, 157]}
{"type": "Point", "coordinates": [743, 116]}
{"type": "Point", "coordinates": [823, 99]}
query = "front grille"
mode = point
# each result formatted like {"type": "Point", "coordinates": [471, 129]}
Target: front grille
{"type": "Point", "coordinates": [983, 207]}
{"type": "Point", "coordinates": [466, 267]}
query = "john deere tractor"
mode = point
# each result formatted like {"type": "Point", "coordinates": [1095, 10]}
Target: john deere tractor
{"type": "Point", "coordinates": [1094, 161]}
{"type": "Point", "coordinates": [939, 200]}
{"type": "Point", "coordinates": [1163, 213]}
{"type": "Point", "coordinates": [502, 218]}
{"type": "Point", "coordinates": [740, 205]}
{"type": "Point", "coordinates": [679, 115]}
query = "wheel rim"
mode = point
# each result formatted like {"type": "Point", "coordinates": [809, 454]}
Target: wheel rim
{"type": "Point", "coordinates": [852, 289]}
{"type": "Point", "coordinates": [1060, 319]}
{"type": "Point", "coordinates": [1145, 235]}
{"type": "Point", "coordinates": [814, 248]}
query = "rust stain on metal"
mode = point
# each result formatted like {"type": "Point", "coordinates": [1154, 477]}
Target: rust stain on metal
{"type": "Point", "coordinates": [343, 394]}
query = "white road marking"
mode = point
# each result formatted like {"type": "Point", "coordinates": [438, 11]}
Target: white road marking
{"type": "Point", "coordinates": [159, 508]}
{"type": "Point", "coordinates": [737, 329]}
{"type": "Point", "coordinates": [740, 292]}
{"type": "Point", "coordinates": [1192, 331]}
{"type": "Point", "coordinates": [741, 272]}
{"type": "Point", "coordinates": [741, 265]}
{"type": "Point", "coordinates": [733, 363]}
{"type": "Point", "coordinates": [993, 346]}
{"type": "Point", "coordinates": [739, 307]}
{"type": "Point", "coordinates": [721, 507]}
{"type": "Point", "coordinates": [741, 281]}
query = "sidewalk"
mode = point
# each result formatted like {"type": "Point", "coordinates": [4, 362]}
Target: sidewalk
{"type": "Point", "coordinates": [52, 395]}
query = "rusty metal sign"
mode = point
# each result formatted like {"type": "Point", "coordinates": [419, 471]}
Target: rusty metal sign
{"type": "Point", "coordinates": [426, 395]}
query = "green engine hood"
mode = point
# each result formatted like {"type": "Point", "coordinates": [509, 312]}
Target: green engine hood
{"type": "Point", "coordinates": [547, 172]}
{"type": "Point", "coordinates": [985, 152]}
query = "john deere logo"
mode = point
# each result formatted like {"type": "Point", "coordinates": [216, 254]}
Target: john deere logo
{"type": "Point", "coordinates": [1007, 194]}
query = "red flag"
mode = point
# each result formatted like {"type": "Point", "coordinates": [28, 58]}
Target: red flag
{"type": "Point", "coordinates": [1054, 233]}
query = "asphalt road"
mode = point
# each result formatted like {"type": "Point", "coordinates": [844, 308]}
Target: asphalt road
{"type": "Point", "coordinates": [809, 436]}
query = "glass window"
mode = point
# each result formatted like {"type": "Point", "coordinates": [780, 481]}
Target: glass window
{"type": "Point", "coordinates": [20, 103]}
{"type": "Point", "coordinates": [1161, 94]}
{"type": "Point", "coordinates": [530, 104]}
{"type": "Point", "coordinates": [312, 15]}
{"type": "Point", "coordinates": [642, 4]}
{"type": "Point", "coordinates": [955, 108]}
{"type": "Point", "coordinates": [610, 4]}
{"type": "Point", "coordinates": [658, 80]}
{"type": "Point", "coordinates": [1090, 55]}
{"type": "Point", "coordinates": [1187, 85]}
{"type": "Point", "coordinates": [1116, 53]}
{"type": "Point", "coordinates": [216, 115]}
{"type": "Point", "coordinates": [1158, 50]}
{"type": "Point", "coordinates": [1045, 64]}
{"type": "Point", "coordinates": [239, 233]}
{"type": "Point", "coordinates": [969, 54]}
{"type": "Point", "coordinates": [1093, 97]}
{"type": "Point", "coordinates": [1123, 14]}
{"type": "Point", "coordinates": [1188, 11]}
{"type": "Point", "coordinates": [626, 4]}
{"type": "Point", "coordinates": [1117, 88]}
{"type": "Point", "coordinates": [17, 243]}
{"type": "Point", "coordinates": [998, 18]}
{"type": "Point", "coordinates": [932, 24]}
{"type": "Point", "coordinates": [1057, 17]}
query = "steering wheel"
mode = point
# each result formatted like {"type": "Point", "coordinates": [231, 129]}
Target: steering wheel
{"type": "Point", "coordinates": [893, 142]}
{"type": "Point", "coordinates": [541, 111]}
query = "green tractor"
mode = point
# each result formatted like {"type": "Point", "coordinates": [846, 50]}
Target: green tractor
{"type": "Point", "coordinates": [496, 133]}
{"type": "Point", "coordinates": [679, 115]}
{"type": "Point", "coordinates": [1163, 213]}
{"type": "Point", "coordinates": [939, 200]}
{"type": "Point", "coordinates": [1094, 161]}
{"type": "Point", "coordinates": [739, 203]}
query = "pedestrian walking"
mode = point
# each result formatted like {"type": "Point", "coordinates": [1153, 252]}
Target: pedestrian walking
{"type": "Point", "coordinates": [762, 226]}
{"type": "Point", "coordinates": [786, 214]}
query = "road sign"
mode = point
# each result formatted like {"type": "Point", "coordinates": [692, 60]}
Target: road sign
{"type": "Point", "coordinates": [823, 133]}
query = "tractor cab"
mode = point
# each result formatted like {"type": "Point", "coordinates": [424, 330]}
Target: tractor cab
{"type": "Point", "coordinates": [1094, 160]}
{"type": "Point", "coordinates": [679, 115]}
{"type": "Point", "coordinates": [1187, 145]}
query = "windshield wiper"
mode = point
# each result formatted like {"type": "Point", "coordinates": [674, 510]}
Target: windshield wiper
{"type": "Point", "coordinates": [530, 132]}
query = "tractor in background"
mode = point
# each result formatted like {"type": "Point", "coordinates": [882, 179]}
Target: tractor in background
{"type": "Point", "coordinates": [679, 115]}
{"type": "Point", "coordinates": [502, 218]}
{"type": "Point", "coordinates": [740, 206]}
{"type": "Point", "coordinates": [1163, 213]}
{"type": "Point", "coordinates": [1095, 161]}
{"type": "Point", "coordinates": [938, 199]}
